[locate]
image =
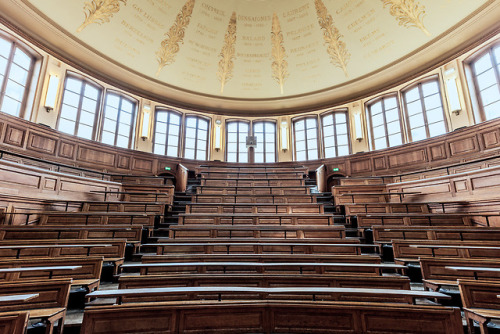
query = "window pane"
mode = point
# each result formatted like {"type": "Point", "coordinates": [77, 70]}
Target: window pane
{"type": "Point", "coordinates": [482, 64]}
{"type": "Point", "coordinates": [437, 129]}
{"type": "Point", "coordinates": [418, 133]}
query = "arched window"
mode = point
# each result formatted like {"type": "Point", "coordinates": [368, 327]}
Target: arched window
{"type": "Point", "coordinates": [118, 120]}
{"type": "Point", "coordinates": [265, 132]}
{"type": "Point", "coordinates": [167, 132]}
{"type": "Point", "coordinates": [236, 134]}
{"type": "Point", "coordinates": [384, 122]}
{"type": "Point", "coordinates": [424, 110]}
{"type": "Point", "coordinates": [196, 138]}
{"type": "Point", "coordinates": [16, 71]}
{"type": "Point", "coordinates": [335, 134]}
{"type": "Point", "coordinates": [306, 138]}
{"type": "Point", "coordinates": [486, 74]}
{"type": "Point", "coordinates": [79, 107]}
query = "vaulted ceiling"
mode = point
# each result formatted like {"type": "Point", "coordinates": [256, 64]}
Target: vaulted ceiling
{"type": "Point", "coordinates": [241, 55]}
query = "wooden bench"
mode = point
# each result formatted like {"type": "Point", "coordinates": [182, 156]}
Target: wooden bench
{"type": "Point", "coordinates": [144, 179]}
{"type": "Point", "coordinates": [385, 235]}
{"type": "Point", "coordinates": [246, 199]}
{"type": "Point", "coordinates": [255, 219]}
{"type": "Point", "coordinates": [132, 233]}
{"type": "Point", "coordinates": [357, 181]}
{"type": "Point", "coordinates": [284, 247]}
{"type": "Point", "coordinates": [141, 295]}
{"type": "Point", "coordinates": [253, 176]}
{"type": "Point", "coordinates": [375, 197]}
{"type": "Point", "coordinates": [223, 232]}
{"type": "Point", "coordinates": [111, 250]}
{"type": "Point", "coordinates": [237, 208]}
{"type": "Point", "coordinates": [254, 191]}
{"type": "Point", "coordinates": [406, 251]}
{"type": "Point", "coordinates": [263, 258]}
{"type": "Point", "coordinates": [242, 182]}
{"type": "Point", "coordinates": [14, 322]}
{"type": "Point", "coordinates": [353, 209]}
{"type": "Point", "coordinates": [283, 268]}
{"type": "Point", "coordinates": [480, 303]}
{"type": "Point", "coordinates": [366, 221]}
{"type": "Point", "coordinates": [49, 305]}
{"type": "Point", "coordinates": [271, 317]}
{"type": "Point", "coordinates": [257, 169]}
{"type": "Point", "coordinates": [146, 207]}
{"type": "Point", "coordinates": [264, 280]}
{"type": "Point", "coordinates": [138, 196]}
{"type": "Point", "coordinates": [86, 275]}
{"type": "Point", "coordinates": [437, 272]}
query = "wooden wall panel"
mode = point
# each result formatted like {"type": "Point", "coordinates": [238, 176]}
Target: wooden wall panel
{"type": "Point", "coordinates": [407, 158]}
{"type": "Point", "coordinates": [491, 139]}
{"type": "Point", "coordinates": [437, 152]}
{"type": "Point", "coordinates": [361, 166]}
{"type": "Point", "coordinates": [123, 162]}
{"type": "Point", "coordinates": [91, 155]}
{"type": "Point", "coordinates": [464, 146]}
{"type": "Point", "coordinates": [144, 165]}
{"type": "Point", "coordinates": [67, 150]}
{"type": "Point", "coordinates": [14, 136]}
{"type": "Point", "coordinates": [43, 144]}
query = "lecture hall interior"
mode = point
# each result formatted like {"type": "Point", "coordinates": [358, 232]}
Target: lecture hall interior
{"type": "Point", "coordinates": [249, 166]}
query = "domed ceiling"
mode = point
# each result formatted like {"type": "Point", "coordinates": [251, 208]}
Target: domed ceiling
{"type": "Point", "coordinates": [258, 50]}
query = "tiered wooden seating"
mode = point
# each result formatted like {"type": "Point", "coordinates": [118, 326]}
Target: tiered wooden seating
{"type": "Point", "coordinates": [255, 219]}
{"type": "Point", "coordinates": [242, 182]}
{"type": "Point", "coordinates": [246, 199]}
{"type": "Point", "coordinates": [242, 208]}
{"type": "Point", "coordinates": [353, 209]}
{"type": "Point", "coordinates": [49, 303]}
{"type": "Point", "coordinates": [481, 303]}
{"type": "Point", "coordinates": [261, 190]}
{"type": "Point", "coordinates": [385, 235]}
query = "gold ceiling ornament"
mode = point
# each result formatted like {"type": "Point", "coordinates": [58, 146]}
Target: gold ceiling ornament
{"type": "Point", "coordinates": [408, 12]}
{"type": "Point", "coordinates": [226, 64]}
{"type": "Point", "coordinates": [280, 65]}
{"type": "Point", "coordinates": [170, 46]}
{"type": "Point", "coordinates": [100, 11]}
{"type": "Point", "coordinates": [339, 56]}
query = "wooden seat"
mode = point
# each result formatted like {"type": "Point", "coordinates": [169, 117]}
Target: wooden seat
{"type": "Point", "coordinates": [353, 209]}
{"type": "Point", "coordinates": [255, 191]}
{"type": "Point", "coordinates": [385, 234]}
{"type": "Point", "coordinates": [244, 247]}
{"type": "Point", "coordinates": [411, 250]}
{"type": "Point", "coordinates": [255, 219]}
{"type": "Point", "coordinates": [223, 232]}
{"type": "Point", "coordinates": [244, 208]}
{"type": "Point", "coordinates": [49, 305]}
{"type": "Point", "coordinates": [284, 268]}
{"type": "Point", "coordinates": [271, 317]}
{"type": "Point", "coordinates": [481, 302]}
{"type": "Point", "coordinates": [14, 322]}
{"type": "Point", "coordinates": [87, 275]}
{"type": "Point", "coordinates": [250, 182]}
{"type": "Point", "coordinates": [251, 293]}
{"type": "Point", "coordinates": [437, 272]}
{"type": "Point", "coordinates": [223, 199]}
{"type": "Point", "coordinates": [413, 219]}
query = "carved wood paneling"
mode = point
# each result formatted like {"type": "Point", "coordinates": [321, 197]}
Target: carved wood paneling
{"type": "Point", "coordinates": [67, 150]}
{"type": "Point", "coordinates": [438, 152]}
{"type": "Point", "coordinates": [407, 158]}
{"type": "Point", "coordinates": [142, 165]}
{"type": "Point", "coordinates": [123, 162]}
{"type": "Point", "coordinates": [15, 136]}
{"type": "Point", "coordinates": [90, 155]}
{"type": "Point", "coordinates": [361, 166]}
{"type": "Point", "coordinates": [491, 139]}
{"type": "Point", "coordinates": [43, 144]}
{"type": "Point", "coordinates": [379, 163]}
{"type": "Point", "coordinates": [464, 146]}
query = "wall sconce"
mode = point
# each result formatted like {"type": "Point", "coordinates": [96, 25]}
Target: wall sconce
{"type": "Point", "coordinates": [357, 127]}
{"type": "Point", "coordinates": [284, 136]}
{"type": "Point", "coordinates": [145, 122]}
{"type": "Point", "coordinates": [453, 96]}
{"type": "Point", "coordinates": [217, 134]}
{"type": "Point", "coordinates": [51, 96]}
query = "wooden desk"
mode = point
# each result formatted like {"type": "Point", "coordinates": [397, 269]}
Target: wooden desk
{"type": "Point", "coordinates": [18, 298]}
{"type": "Point", "coordinates": [475, 270]}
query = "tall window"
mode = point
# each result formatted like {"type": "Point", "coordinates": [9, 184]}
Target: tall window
{"type": "Point", "coordinates": [384, 122]}
{"type": "Point", "coordinates": [306, 139]}
{"type": "Point", "coordinates": [424, 110]}
{"type": "Point", "coordinates": [266, 141]}
{"type": "Point", "coordinates": [16, 69]}
{"type": "Point", "coordinates": [119, 118]}
{"type": "Point", "coordinates": [196, 138]}
{"type": "Point", "coordinates": [79, 107]}
{"type": "Point", "coordinates": [167, 133]}
{"type": "Point", "coordinates": [486, 72]}
{"type": "Point", "coordinates": [236, 148]}
{"type": "Point", "coordinates": [335, 134]}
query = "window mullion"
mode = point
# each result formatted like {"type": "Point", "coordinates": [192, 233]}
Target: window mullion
{"type": "Point", "coordinates": [424, 110]}
{"type": "Point", "coordinates": [79, 110]}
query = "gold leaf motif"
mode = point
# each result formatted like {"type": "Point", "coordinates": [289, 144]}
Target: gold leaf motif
{"type": "Point", "coordinates": [226, 64]}
{"type": "Point", "coordinates": [408, 12]}
{"type": "Point", "coordinates": [337, 50]}
{"type": "Point", "coordinates": [171, 45]}
{"type": "Point", "coordinates": [100, 11]}
{"type": "Point", "coordinates": [280, 65]}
